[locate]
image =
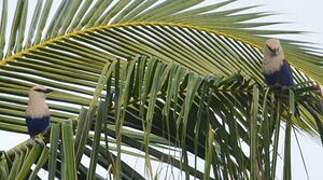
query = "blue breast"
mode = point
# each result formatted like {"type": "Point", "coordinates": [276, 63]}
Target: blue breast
{"type": "Point", "coordinates": [283, 77]}
{"type": "Point", "coordinates": [37, 125]}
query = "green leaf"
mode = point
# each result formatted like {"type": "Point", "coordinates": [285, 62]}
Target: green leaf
{"type": "Point", "coordinates": [97, 135]}
{"type": "Point", "coordinates": [209, 154]}
{"type": "Point", "coordinates": [81, 137]}
{"type": "Point", "coordinates": [276, 138]}
{"type": "Point", "coordinates": [40, 163]}
{"type": "Point", "coordinates": [69, 163]}
{"type": "Point", "coordinates": [253, 134]}
{"type": "Point", "coordinates": [54, 141]}
{"type": "Point", "coordinates": [3, 27]}
{"type": "Point", "coordinates": [31, 157]}
{"type": "Point", "coordinates": [287, 151]}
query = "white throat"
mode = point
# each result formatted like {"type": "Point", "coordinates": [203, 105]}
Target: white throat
{"type": "Point", "coordinates": [37, 106]}
{"type": "Point", "coordinates": [272, 63]}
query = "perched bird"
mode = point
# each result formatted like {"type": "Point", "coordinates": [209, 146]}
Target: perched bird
{"type": "Point", "coordinates": [277, 71]}
{"type": "Point", "coordinates": [37, 112]}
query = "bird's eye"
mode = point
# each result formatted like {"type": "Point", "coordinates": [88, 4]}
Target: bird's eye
{"type": "Point", "coordinates": [271, 49]}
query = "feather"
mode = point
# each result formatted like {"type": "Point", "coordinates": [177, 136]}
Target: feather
{"type": "Point", "coordinates": [283, 77]}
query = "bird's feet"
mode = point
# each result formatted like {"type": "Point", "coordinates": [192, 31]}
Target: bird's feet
{"type": "Point", "coordinates": [39, 139]}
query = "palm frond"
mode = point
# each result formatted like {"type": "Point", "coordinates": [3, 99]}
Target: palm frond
{"type": "Point", "coordinates": [194, 79]}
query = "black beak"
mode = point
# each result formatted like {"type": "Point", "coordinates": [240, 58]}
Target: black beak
{"type": "Point", "coordinates": [48, 91]}
{"type": "Point", "coordinates": [273, 50]}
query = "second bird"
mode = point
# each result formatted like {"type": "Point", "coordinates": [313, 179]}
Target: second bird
{"type": "Point", "coordinates": [277, 71]}
{"type": "Point", "coordinates": [37, 113]}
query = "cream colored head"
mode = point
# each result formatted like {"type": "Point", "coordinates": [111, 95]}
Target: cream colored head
{"type": "Point", "coordinates": [37, 106]}
{"type": "Point", "coordinates": [273, 56]}
{"type": "Point", "coordinates": [321, 90]}
{"type": "Point", "coordinates": [41, 90]}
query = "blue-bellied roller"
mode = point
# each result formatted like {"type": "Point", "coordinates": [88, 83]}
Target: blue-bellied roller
{"type": "Point", "coordinates": [277, 71]}
{"type": "Point", "coordinates": [37, 112]}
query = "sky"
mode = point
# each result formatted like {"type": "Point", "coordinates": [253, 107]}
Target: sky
{"type": "Point", "coordinates": [301, 15]}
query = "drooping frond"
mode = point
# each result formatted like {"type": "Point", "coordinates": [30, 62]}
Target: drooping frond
{"type": "Point", "coordinates": [149, 106]}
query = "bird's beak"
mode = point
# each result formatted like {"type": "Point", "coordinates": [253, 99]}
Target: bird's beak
{"type": "Point", "coordinates": [274, 51]}
{"type": "Point", "coordinates": [48, 91]}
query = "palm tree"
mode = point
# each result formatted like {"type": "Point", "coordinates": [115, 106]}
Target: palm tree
{"type": "Point", "coordinates": [165, 81]}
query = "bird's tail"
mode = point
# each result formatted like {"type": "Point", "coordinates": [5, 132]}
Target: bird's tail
{"type": "Point", "coordinates": [39, 139]}
{"type": "Point", "coordinates": [39, 136]}
{"type": "Point", "coordinates": [284, 94]}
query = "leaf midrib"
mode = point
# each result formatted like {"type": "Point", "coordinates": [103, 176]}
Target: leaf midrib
{"type": "Point", "coordinates": [47, 42]}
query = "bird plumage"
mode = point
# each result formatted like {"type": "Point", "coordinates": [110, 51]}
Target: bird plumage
{"type": "Point", "coordinates": [273, 56]}
{"type": "Point", "coordinates": [282, 77]}
{"type": "Point", "coordinates": [277, 71]}
{"type": "Point", "coordinates": [37, 112]}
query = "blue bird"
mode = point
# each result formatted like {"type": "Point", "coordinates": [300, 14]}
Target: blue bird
{"type": "Point", "coordinates": [37, 112]}
{"type": "Point", "coordinates": [277, 71]}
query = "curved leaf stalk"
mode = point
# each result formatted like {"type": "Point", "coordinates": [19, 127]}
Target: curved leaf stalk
{"type": "Point", "coordinates": [69, 168]}
{"type": "Point", "coordinates": [253, 134]}
{"type": "Point", "coordinates": [276, 139]}
{"type": "Point", "coordinates": [54, 141]}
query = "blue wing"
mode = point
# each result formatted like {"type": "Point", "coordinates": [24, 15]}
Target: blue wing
{"type": "Point", "coordinates": [286, 75]}
{"type": "Point", "coordinates": [271, 79]}
{"type": "Point", "coordinates": [37, 125]}
{"type": "Point", "coordinates": [283, 77]}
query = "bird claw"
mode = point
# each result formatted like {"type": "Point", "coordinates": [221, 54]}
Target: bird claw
{"type": "Point", "coordinates": [39, 140]}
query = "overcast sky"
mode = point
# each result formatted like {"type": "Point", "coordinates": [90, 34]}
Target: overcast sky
{"type": "Point", "coordinates": [302, 15]}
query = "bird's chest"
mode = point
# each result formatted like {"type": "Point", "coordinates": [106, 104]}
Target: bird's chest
{"type": "Point", "coordinates": [37, 110]}
{"type": "Point", "coordinates": [272, 66]}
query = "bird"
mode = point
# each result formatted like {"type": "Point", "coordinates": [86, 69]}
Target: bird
{"type": "Point", "coordinates": [277, 71]}
{"type": "Point", "coordinates": [37, 113]}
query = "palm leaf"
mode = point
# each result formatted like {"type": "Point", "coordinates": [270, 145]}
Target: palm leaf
{"type": "Point", "coordinates": [196, 46]}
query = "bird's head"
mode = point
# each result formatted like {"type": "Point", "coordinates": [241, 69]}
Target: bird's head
{"type": "Point", "coordinates": [37, 106]}
{"type": "Point", "coordinates": [273, 56]}
{"type": "Point", "coordinates": [273, 47]}
{"type": "Point", "coordinates": [40, 90]}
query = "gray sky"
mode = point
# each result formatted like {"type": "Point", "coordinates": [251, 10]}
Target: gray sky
{"type": "Point", "coordinates": [302, 15]}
